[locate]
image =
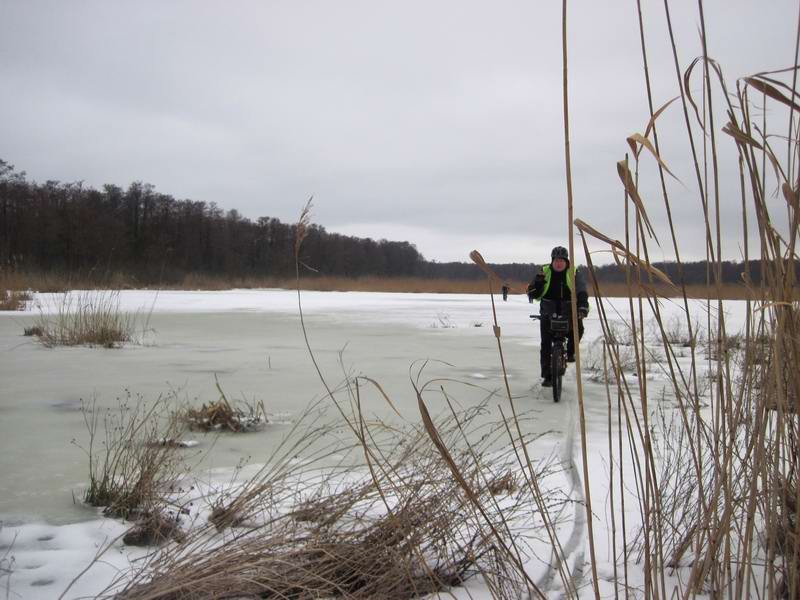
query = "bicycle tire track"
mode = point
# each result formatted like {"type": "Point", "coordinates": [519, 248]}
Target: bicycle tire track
{"type": "Point", "coordinates": [574, 546]}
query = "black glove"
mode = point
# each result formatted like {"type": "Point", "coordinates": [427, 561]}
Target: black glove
{"type": "Point", "coordinates": [536, 287]}
{"type": "Point", "coordinates": [583, 312]}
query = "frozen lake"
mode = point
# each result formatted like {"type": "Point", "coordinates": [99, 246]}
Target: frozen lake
{"type": "Point", "coordinates": [252, 341]}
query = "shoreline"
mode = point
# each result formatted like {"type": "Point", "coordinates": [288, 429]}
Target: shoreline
{"type": "Point", "coordinates": [413, 285]}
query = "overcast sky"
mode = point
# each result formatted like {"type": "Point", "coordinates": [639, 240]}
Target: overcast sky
{"type": "Point", "coordinates": [439, 122]}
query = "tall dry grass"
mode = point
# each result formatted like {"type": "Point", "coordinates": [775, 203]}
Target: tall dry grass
{"type": "Point", "coordinates": [710, 472]}
{"type": "Point", "coordinates": [90, 318]}
{"type": "Point", "coordinates": [13, 295]}
{"type": "Point", "coordinates": [414, 285]}
{"type": "Point", "coordinates": [7, 567]}
{"type": "Point", "coordinates": [131, 454]}
{"type": "Point", "coordinates": [354, 507]}
{"type": "Point", "coordinates": [384, 518]}
{"type": "Point", "coordinates": [725, 291]}
{"type": "Point", "coordinates": [710, 459]}
{"type": "Point", "coordinates": [716, 478]}
{"type": "Point", "coordinates": [14, 300]}
{"type": "Point", "coordinates": [54, 281]}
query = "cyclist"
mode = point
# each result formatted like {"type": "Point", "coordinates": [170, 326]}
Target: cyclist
{"type": "Point", "coordinates": [554, 287]}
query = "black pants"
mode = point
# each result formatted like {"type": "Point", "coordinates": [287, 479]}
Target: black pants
{"type": "Point", "coordinates": [547, 340]}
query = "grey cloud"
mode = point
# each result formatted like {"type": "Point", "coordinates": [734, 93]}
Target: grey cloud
{"type": "Point", "coordinates": [439, 116]}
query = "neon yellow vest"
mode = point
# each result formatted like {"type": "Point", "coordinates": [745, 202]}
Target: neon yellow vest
{"type": "Point", "coordinates": [548, 275]}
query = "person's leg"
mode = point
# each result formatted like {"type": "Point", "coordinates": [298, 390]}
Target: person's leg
{"type": "Point", "coordinates": [544, 351]}
{"type": "Point", "coordinates": [571, 342]}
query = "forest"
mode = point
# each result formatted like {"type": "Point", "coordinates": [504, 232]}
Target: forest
{"type": "Point", "coordinates": [156, 238]}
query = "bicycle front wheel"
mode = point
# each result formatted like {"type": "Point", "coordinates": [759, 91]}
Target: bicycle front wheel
{"type": "Point", "coordinates": [556, 370]}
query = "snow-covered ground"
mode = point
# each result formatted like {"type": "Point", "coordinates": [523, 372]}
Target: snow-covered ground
{"type": "Point", "coordinates": [417, 310]}
{"type": "Point", "coordinates": [252, 341]}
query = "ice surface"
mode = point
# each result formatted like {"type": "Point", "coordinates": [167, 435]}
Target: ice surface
{"type": "Point", "coordinates": [252, 341]}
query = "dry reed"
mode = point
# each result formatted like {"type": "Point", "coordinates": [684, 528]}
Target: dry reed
{"type": "Point", "coordinates": [7, 563]}
{"type": "Point", "coordinates": [411, 285]}
{"type": "Point", "coordinates": [712, 470]}
{"type": "Point", "coordinates": [385, 520]}
{"type": "Point", "coordinates": [388, 519]}
{"type": "Point", "coordinates": [716, 476]}
{"type": "Point", "coordinates": [14, 300]}
{"type": "Point", "coordinates": [91, 318]}
{"type": "Point", "coordinates": [130, 466]}
{"type": "Point", "coordinates": [223, 415]}
{"type": "Point", "coordinates": [710, 457]}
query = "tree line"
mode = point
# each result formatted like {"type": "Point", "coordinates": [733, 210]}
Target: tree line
{"type": "Point", "coordinates": [153, 236]}
{"type": "Point", "coordinates": [72, 228]}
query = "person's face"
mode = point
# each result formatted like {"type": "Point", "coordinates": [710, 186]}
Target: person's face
{"type": "Point", "coordinates": [559, 264]}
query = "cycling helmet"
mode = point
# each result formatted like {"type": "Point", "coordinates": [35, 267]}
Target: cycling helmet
{"type": "Point", "coordinates": [559, 252]}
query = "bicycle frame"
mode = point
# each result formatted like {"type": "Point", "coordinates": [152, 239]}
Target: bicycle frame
{"type": "Point", "coordinates": [559, 329]}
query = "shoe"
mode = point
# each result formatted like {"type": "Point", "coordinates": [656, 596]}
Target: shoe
{"type": "Point", "coordinates": [570, 358]}
{"type": "Point", "coordinates": [547, 382]}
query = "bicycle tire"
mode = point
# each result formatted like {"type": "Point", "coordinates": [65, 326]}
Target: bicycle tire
{"type": "Point", "coordinates": [556, 370]}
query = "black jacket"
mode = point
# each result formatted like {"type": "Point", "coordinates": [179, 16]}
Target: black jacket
{"type": "Point", "coordinates": [558, 295]}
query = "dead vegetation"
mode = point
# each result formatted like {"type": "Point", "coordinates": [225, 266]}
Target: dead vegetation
{"type": "Point", "coordinates": [88, 318]}
{"type": "Point", "coordinates": [725, 291]}
{"type": "Point", "coordinates": [155, 529]}
{"type": "Point", "coordinates": [716, 476]}
{"type": "Point", "coordinates": [223, 415]}
{"type": "Point", "coordinates": [715, 481]}
{"type": "Point", "coordinates": [14, 300]}
{"type": "Point", "coordinates": [7, 563]}
{"type": "Point", "coordinates": [355, 508]}
{"type": "Point", "coordinates": [677, 333]}
{"type": "Point", "coordinates": [60, 283]}
{"type": "Point", "coordinates": [14, 294]}
{"type": "Point", "coordinates": [130, 470]}
{"type": "Point", "coordinates": [387, 519]}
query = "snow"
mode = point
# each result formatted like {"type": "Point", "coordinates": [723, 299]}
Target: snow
{"type": "Point", "coordinates": [45, 557]}
{"type": "Point", "coordinates": [470, 313]}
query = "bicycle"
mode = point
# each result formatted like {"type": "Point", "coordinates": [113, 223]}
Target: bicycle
{"type": "Point", "coordinates": [560, 329]}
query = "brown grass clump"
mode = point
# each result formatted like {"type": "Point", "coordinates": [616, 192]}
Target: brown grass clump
{"type": "Point", "coordinates": [14, 294]}
{"type": "Point", "coordinates": [14, 300]}
{"type": "Point", "coordinates": [86, 319]}
{"type": "Point", "coordinates": [154, 529]}
{"type": "Point", "coordinates": [129, 469]}
{"type": "Point", "coordinates": [224, 517]}
{"type": "Point", "coordinates": [503, 484]}
{"type": "Point", "coordinates": [221, 415]}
